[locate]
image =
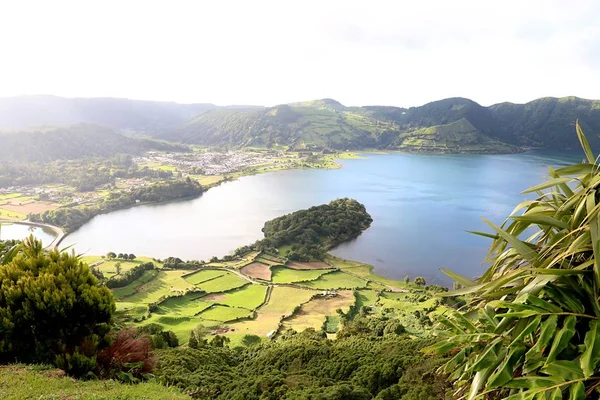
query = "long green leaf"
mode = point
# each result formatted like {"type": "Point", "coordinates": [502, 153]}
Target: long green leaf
{"type": "Point", "coordinates": [585, 145]}
{"type": "Point", "coordinates": [542, 220]}
{"type": "Point", "coordinates": [466, 282]}
{"type": "Point", "coordinates": [563, 369]}
{"type": "Point", "coordinates": [523, 249]}
{"type": "Point", "coordinates": [562, 338]}
{"type": "Point", "coordinates": [548, 184]}
{"type": "Point", "coordinates": [577, 391]}
{"type": "Point", "coordinates": [590, 357]}
{"type": "Point", "coordinates": [506, 370]}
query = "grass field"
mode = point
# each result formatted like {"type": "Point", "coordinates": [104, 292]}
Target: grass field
{"type": "Point", "coordinates": [214, 280]}
{"type": "Point", "coordinates": [365, 271]}
{"type": "Point", "coordinates": [249, 296]}
{"type": "Point", "coordinates": [9, 196]}
{"type": "Point", "coordinates": [283, 301]}
{"type": "Point", "coordinates": [203, 276]}
{"type": "Point", "coordinates": [109, 268]}
{"type": "Point", "coordinates": [12, 215]}
{"type": "Point", "coordinates": [134, 310]}
{"type": "Point", "coordinates": [336, 280]}
{"type": "Point", "coordinates": [314, 313]}
{"type": "Point", "coordinates": [40, 382]}
{"type": "Point", "coordinates": [130, 289]}
{"type": "Point", "coordinates": [166, 283]}
{"type": "Point", "coordinates": [288, 275]}
{"type": "Point", "coordinates": [210, 180]}
{"type": "Point", "coordinates": [223, 313]}
{"type": "Point", "coordinates": [186, 306]}
{"type": "Point", "coordinates": [268, 261]}
{"type": "Point", "coordinates": [89, 260]}
{"type": "Point", "coordinates": [366, 298]}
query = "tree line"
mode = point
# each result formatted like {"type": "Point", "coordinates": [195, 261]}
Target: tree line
{"type": "Point", "coordinates": [71, 218]}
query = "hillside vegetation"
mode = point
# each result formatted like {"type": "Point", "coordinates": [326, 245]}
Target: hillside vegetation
{"type": "Point", "coordinates": [452, 125]}
{"type": "Point", "coordinates": [73, 142]}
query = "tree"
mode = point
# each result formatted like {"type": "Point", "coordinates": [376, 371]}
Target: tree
{"type": "Point", "coordinates": [53, 310]}
{"type": "Point", "coordinates": [120, 255]}
{"type": "Point", "coordinates": [251, 340]}
{"type": "Point", "coordinates": [407, 279]}
{"type": "Point", "coordinates": [193, 342]}
{"type": "Point", "coordinates": [420, 281]}
{"type": "Point", "coordinates": [132, 256]}
{"type": "Point", "coordinates": [531, 327]}
{"type": "Point", "coordinates": [118, 268]}
{"type": "Point", "coordinates": [219, 341]}
{"type": "Point", "coordinates": [111, 255]}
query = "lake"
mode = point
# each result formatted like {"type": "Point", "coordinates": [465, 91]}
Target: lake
{"type": "Point", "coordinates": [421, 205]}
{"type": "Point", "coordinates": [21, 231]}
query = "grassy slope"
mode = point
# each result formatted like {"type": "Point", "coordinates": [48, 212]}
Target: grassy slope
{"type": "Point", "coordinates": [36, 382]}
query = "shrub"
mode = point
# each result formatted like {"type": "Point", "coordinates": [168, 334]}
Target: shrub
{"type": "Point", "coordinates": [128, 358]}
{"type": "Point", "coordinates": [53, 310]}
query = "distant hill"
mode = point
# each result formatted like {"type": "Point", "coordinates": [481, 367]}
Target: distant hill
{"type": "Point", "coordinates": [73, 142]}
{"type": "Point", "coordinates": [452, 125]}
{"type": "Point", "coordinates": [30, 111]}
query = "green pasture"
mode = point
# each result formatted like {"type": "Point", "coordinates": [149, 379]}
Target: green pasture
{"type": "Point", "coordinates": [187, 306]}
{"type": "Point", "coordinates": [336, 280]}
{"type": "Point", "coordinates": [203, 276]}
{"type": "Point", "coordinates": [288, 275]}
{"type": "Point", "coordinates": [130, 289]}
{"type": "Point", "coordinates": [249, 296]}
{"type": "Point", "coordinates": [166, 283]}
{"type": "Point", "coordinates": [223, 313]}
{"type": "Point", "coordinates": [212, 280]}
{"type": "Point", "coordinates": [4, 213]}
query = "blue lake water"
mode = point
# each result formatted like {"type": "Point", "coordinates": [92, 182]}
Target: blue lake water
{"type": "Point", "coordinates": [422, 206]}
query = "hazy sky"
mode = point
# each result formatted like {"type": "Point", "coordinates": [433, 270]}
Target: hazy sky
{"type": "Point", "coordinates": [393, 52]}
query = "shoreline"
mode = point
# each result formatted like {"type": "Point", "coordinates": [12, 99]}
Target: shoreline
{"type": "Point", "coordinates": [60, 233]}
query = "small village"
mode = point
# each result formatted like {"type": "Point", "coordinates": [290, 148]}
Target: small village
{"type": "Point", "coordinates": [211, 162]}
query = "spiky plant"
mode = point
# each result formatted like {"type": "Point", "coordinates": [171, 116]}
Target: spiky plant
{"type": "Point", "coordinates": [530, 329]}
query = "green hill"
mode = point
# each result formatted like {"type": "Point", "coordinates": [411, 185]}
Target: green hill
{"type": "Point", "coordinates": [456, 137]}
{"type": "Point", "coordinates": [326, 123]}
{"type": "Point", "coordinates": [450, 125]}
{"type": "Point", "coordinates": [73, 142]}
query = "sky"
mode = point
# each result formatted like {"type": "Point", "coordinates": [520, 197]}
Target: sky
{"type": "Point", "coordinates": [401, 53]}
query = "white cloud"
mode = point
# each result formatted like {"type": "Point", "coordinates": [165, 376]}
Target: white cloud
{"type": "Point", "coordinates": [269, 52]}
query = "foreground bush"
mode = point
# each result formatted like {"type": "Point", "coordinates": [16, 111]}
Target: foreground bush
{"type": "Point", "coordinates": [128, 358]}
{"type": "Point", "coordinates": [531, 328]}
{"type": "Point", "coordinates": [52, 310]}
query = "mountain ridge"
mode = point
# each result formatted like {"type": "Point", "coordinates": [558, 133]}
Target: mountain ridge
{"type": "Point", "coordinates": [546, 122]}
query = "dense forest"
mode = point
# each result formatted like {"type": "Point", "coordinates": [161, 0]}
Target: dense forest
{"type": "Point", "coordinates": [71, 218]}
{"type": "Point", "coordinates": [310, 233]}
{"type": "Point", "coordinates": [73, 142]}
{"type": "Point", "coordinates": [307, 365]}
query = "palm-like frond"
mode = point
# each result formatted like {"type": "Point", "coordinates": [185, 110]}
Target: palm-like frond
{"type": "Point", "coordinates": [531, 327]}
